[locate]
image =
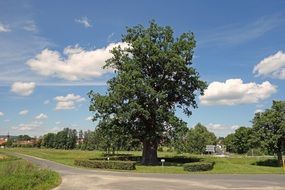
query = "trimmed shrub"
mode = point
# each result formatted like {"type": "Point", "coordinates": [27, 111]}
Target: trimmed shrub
{"type": "Point", "coordinates": [198, 166]}
{"type": "Point", "coordinates": [104, 164]}
{"type": "Point", "coordinates": [181, 159]}
{"type": "Point", "coordinates": [119, 158]}
{"type": "Point", "coordinates": [268, 162]}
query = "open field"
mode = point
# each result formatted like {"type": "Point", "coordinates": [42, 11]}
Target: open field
{"type": "Point", "coordinates": [229, 165]}
{"type": "Point", "coordinates": [17, 174]}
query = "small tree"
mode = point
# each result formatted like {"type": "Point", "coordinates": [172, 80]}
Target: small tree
{"type": "Point", "coordinates": [229, 143]}
{"type": "Point", "coordinates": [269, 127]}
{"type": "Point", "coordinates": [242, 140]}
{"type": "Point", "coordinates": [154, 76]}
{"type": "Point", "coordinates": [198, 137]}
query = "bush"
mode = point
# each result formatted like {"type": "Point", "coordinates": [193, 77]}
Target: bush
{"type": "Point", "coordinates": [104, 164]}
{"type": "Point", "coordinates": [119, 157]}
{"type": "Point", "coordinates": [268, 162]}
{"type": "Point", "coordinates": [181, 159]}
{"type": "Point", "coordinates": [198, 166]}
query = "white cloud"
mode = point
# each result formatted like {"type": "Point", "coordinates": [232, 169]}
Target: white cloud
{"type": "Point", "coordinates": [89, 118]}
{"type": "Point", "coordinates": [1, 114]}
{"type": "Point", "coordinates": [28, 126]}
{"type": "Point", "coordinates": [221, 130]}
{"type": "Point", "coordinates": [41, 116]}
{"type": "Point", "coordinates": [58, 123]}
{"type": "Point", "coordinates": [213, 126]}
{"type": "Point", "coordinates": [85, 21]}
{"type": "Point", "coordinates": [46, 102]}
{"type": "Point", "coordinates": [4, 28]}
{"type": "Point", "coordinates": [79, 63]}
{"type": "Point", "coordinates": [68, 102]}
{"type": "Point", "coordinates": [24, 112]}
{"type": "Point", "coordinates": [234, 92]}
{"type": "Point", "coordinates": [273, 66]}
{"type": "Point", "coordinates": [258, 111]}
{"type": "Point", "coordinates": [69, 105]}
{"type": "Point", "coordinates": [23, 88]}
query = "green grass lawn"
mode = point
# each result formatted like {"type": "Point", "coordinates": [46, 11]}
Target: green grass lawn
{"type": "Point", "coordinates": [17, 174]}
{"type": "Point", "coordinates": [229, 165]}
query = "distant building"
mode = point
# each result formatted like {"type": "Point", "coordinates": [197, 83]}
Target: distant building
{"type": "Point", "coordinates": [2, 142]}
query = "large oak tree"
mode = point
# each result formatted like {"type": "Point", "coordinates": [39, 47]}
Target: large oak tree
{"type": "Point", "coordinates": [153, 77]}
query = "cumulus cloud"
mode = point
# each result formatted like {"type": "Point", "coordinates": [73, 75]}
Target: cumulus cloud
{"type": "Point", "coordinates": [4, 28]}
{"type": "Point", "coordinates": [41, 116]}
{"type": "Point", "coordinates": [70, 101]}
{"type": "Point", "coordinates": [1, 114]}
{"type": "Point", "coordinates": [58, 123]}
{"type": "Point", "coordinates": [221, 130]}
{"type": "Point", "coordinates": [24, 112]}
{"type": "Point", "coordinates": [273, 66]}
{"type": "Point", "coordinates": [234, 92]}
{"type": "Point", "coordinates": [84, 21]}
{"type": "Point", "coordinates": [76, 63]}
{"type": "Point", "coordinates": [28, 126]}
{"type": "Point", "coordinates": [23, 88]}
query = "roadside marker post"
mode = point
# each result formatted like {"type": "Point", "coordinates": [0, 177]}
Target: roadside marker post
{"type": "Point", "coordinates": [162, 162]}
{"type": "Point", "coordinates": [283, 165]}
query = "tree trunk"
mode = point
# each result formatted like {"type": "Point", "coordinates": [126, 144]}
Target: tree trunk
{"type": "Point", "coordinates": [149, 155]}
{"type": "Point", "coordinates": [279, 156]}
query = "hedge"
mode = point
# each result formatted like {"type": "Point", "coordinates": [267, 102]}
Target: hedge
{"type": "Point", "coordinates": [119, 158]}
{"type": "Point", "coordinates": [268, 162]}
{"type": "Point", "coordinates": [198, 166]}
{"type": "Point", "coordinates": [104, 164]}
{"type": "Point", "coordinates": [181, 159]}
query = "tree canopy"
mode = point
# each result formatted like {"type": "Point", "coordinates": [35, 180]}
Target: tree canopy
{"type": "Point", "coordinates": [154, 77]}
{"type": "Point", "coordinates": [269, 127]}
{"type": "Point", "coordinates": [197, 139]}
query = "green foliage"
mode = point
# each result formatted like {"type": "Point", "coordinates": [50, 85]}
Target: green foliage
{"type": "Point", "coordinates": [227, 165]}
{"type": "Point", "coordinates": [154, 76]}
{"type": "Point", "coordinates": [198, 137]}
{"type": "Point", "coordinates": [268, 162]}
{"type": "Point", "coordinates": [65, 139]}
{"type": "Point", "coordinates": [198, 166]}
{"type": "Point", "coordinates": [49, 140]}
{"type": "Point", "coordinates": [23, 138]}
{"type": "Point", "coordinates": [104, 164]}
{"type": "Point", "coordinates": [119, 158]}
{"type": "Point", "coordinates": [229, 142]}
{"type": "Point", "coordinates": [241, 141]}
{"type": "Point", "coordinates": [19, 174]}
{"type": "Point", "coordinates": [269, 128]}
{"type": "Point", "coordinates": [178, 138]}
{"type": "Point", "coordinates": [181, 159]}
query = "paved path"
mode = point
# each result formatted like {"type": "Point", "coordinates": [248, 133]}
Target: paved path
{"type": "Point", "coordinates": [85, 179]}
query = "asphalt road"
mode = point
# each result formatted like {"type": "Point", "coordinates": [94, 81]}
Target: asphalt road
{"type": "Point", "coordinates": [85, 179]}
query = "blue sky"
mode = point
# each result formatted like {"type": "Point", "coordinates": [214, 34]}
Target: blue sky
{"type": "Point", "coordinates": [51, 54]}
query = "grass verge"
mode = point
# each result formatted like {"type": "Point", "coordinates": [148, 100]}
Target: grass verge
{"type": "Point", "coordinates": [18, 174]}
{"type": "Point", "coordinates": [226, 165]}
